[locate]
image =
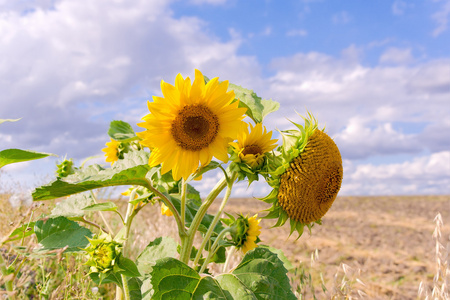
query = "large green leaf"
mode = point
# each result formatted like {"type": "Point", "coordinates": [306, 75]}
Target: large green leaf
{"type": "Point", "coordinates": [128, 171]}
{"type": "Point", "coordinates": [172, 279]}
{"type": "Point", "coordinates": [157, 249]}
{"type": "Point", "coordinates": [71, 207]}
{"type": "Point", "coordinates": [10, 156]}
{"type": "Point", "coordinates": [260, 275]}
{"type": "Point", "coordinates": [105, 206]}
{"type": "Point", "coordinates": [257, 108]}
{"type": "Point", "coordinates": [121, 131]}
{"type": "Point", "coordinates": [60, 232]}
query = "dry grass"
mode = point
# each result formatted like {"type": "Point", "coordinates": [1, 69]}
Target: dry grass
{"type": "Point", "coordinates": [381, 247]}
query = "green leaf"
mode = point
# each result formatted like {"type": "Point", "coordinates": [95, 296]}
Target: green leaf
{"type": "Point", "coordinates": [71, 207]}
{"type": "Point", "coordinates": [129, 171]}
{"type": "Point", "coordinates": [260, 275]}
{"type": "Point", "coordinates": [9, 120]}
{"type": "Point", "coordinates": [100, 278]}
{"type": "Point", "coordinates": [60, 232]}
{"type": "Point", "coordinates": [286, 262]}
{"type": "Point", "coordinates": [121, 131]}
{"type": "Point", "coordinates": [157, 249]}
{"type": "Point", "coordinates": [257, 108]}
{"type": "Point", "coordinates": [134, 286]}
{"type": "Point", "coordinates": [105, 206]}
{"type": "Point", "coordinates": [172, 279]}
{"type": "Point", "coordinates": [128, 267]}
{"type": "Point", "coordinates": [21, 232]}
{"type": "Point", "coordinates": [10, 156]}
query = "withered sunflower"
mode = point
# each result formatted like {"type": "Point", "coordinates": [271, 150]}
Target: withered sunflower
{"type": "Point", "coordinates": [190, 124]}
{"type": "Point", "coordinates": [112, 151]}
{"type": "Point", "coordinates": [306, 177]}
{"type": "Point", "coordinates": [252, 146]}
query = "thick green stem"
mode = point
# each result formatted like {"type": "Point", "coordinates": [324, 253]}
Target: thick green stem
{"type": "Point", "coordinates": [168, 203]}
{"type": "Point", "coordinates": [231, 251]}
{"type": "Point", "coordinates": [189, 240]}
{"type": "Point", "coordinates": [126, 289]}
{"type": "Point", "coordinates": [216, 219]}
{"type": "Point", "coordinates": [214, 248]}
{"type": "Point", "coordinates": [183, 201]}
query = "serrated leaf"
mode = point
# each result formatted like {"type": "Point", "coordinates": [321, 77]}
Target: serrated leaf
{"type": "Point", "coordinates": [121, 131]}
{"type": "Point", "coordinates": [172, 279]}
{"type": "Point", "coordinates": [110, 278]}
{"type": "Point", "coordinates": [134, 286]}
{"type": "Point", "coordinates": [128, 171]}
{"type": "Point", "coordinates": [9, 120]}
{"type": "Point", "coordinates": [260, 275]}
{"type": "Point", "coordinates": [286, 262]}
{"type": "Point", "coordinates": [71, 207]}
{"type": "Point", "coordinates": [257, 108]}
{"type": "Point", "coordinates": [157, 249]}
{"type": "Point", "coordinates": [105, 206]}
{"type": "Point", "coordinates": [21, 232]}
{"type": "Point", "coordinates": [128, 267]}
{"type": "Point", "coordinates": [10, 156]}
{"type": "Point", "coordinates": [60, 232]}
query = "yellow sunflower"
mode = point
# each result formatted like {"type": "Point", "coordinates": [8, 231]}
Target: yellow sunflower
{"type": "Point", "coordinates": [251, 146]}
{"type": "Point", "coordinates": [252, 234]}
{"type": "Point", "coordinates": [190, 124]}
{"type": "Point", "coordinates": [165, 211]}
{"type": "Point", "coordinates": [306, 178]}
{"type": "Point", "coordinates": [112, 151]}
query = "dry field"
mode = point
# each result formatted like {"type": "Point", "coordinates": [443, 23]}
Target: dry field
{"type": "Point", "coordinates": [388, 238]}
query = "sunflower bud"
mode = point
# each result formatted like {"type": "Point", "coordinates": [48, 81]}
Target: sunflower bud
{"type": "Point", "coordinates": [103, 254]}
{"type": "Point", "coordinates": [65, 168]}
{"type": "Point", "coordinates": [245, 232]}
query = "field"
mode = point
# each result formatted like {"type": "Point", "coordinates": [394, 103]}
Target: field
{"type": "Point", "coordinates": [386, 241]}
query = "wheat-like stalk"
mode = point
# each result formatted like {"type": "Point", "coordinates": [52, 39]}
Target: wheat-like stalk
{"type": "Point", "coordinates": [442, 275]}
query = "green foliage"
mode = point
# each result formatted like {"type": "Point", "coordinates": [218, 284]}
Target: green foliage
{"type": "Point", "coordinates": [105, 206]}
{"type": "Point", "coordinates": [129, 171]}
{"type": "Point", "coordinates": [72, 206]}
{"type": "Point", "coordinates": [121, 131]}
{"type": "Point", "coordinates": [257, 108]}
{"type": "Point", "coordinates": [60, 232]}
{"type": "Point", "coordinates": [10, 156]}
{"type": "Point", "coordinates": [157, 249]}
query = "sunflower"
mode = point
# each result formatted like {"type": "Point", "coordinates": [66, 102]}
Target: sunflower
{"type": "Point", "coordinates": [252, 146]}
{"type": "Point", "coordinates": [190, 124]}
{"type": "Point", "coordinates": [251, 235]}
{"type": "Point", "coordinates": [306, 178]}
{"type": "Point", "coordinates": [112, 151]}
{"type": "Point", "coordinates": [165, 211]}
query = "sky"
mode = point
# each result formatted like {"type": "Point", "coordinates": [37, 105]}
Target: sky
{"type": "Point", "coordinates": [375, 73]}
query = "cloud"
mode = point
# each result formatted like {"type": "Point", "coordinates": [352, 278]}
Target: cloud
{"type": "Point", "coordinates": [70, 67]}
{"type": "Point", "coordinates": [342, 17]}
{"type": "Point", "coordinates": [441, 17]}
{"type": "Point", "coordinates": [399, 7]}
{"type": "Point", "coordinates": [297, 32]}
{"type": "Point", "coordinates": [422, 175]}
{"type": "Point", "coordinates": [396, 56]}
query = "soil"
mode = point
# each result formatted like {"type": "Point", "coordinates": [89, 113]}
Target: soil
{"type": "Point", "coordinates": [387, 239]}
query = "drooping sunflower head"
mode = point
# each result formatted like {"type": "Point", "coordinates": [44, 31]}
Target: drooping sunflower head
{"type": "Point", "coordinates": [306, 178]}
{"type": "Point", "coordinates": [112, 151]}
{"type": "Point", "coordinates": [251, 146]}
{"type": "Point", "coordinates": [245, 232]}
{"type": "Point", "coordinates": [190, 124]}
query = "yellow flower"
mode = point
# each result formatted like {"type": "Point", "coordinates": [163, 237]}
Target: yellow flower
{"type": "Point", "coordinates": [165, 211]}
{"type": "Point", "coordinates": [190, 124]}
{"type": "Point", "coordinates": [253, 231]}
{"type": "Point", "coordinates": [112, 151]}
{"type": "Point", "coordinates": [252, 146]}
{"type": "Point", "coordinates": [307, 177]}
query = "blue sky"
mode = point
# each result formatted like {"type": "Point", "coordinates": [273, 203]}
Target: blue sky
{"type": "Point", "coordinates": [376, 73]}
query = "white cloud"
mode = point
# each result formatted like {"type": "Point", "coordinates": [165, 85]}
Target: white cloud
{"type": "Point", "coordinates": [441, 17]}
{"type": "Point", "coordinates": [422, 175]}
{"type": "Point", "coordinates": [342, 17]}
{"type": "Point", "coordinates": [397, 56]}
{"type": "Point", "coordinates": [213, 2]}
{"type": "Point", "coordinates": [399, 7]}
{"type": "Point", "coordinates": [297, 32]}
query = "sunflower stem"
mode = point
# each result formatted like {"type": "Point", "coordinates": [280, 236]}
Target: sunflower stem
{"type": "Point", "coordinates": [188, 241]}
{"type": "Point", "coordinates": [216, 217]}
{"type": "Point", "coordinates": [183, 200]}
{"type": "Point", "coordinates": [181, 228]}
{"type": "Point", "coordinates": [214, 249]}
{"type": "Point", "coordinates": [229, 256]}
{"type": "Point", "coordinates": [126, 289]}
